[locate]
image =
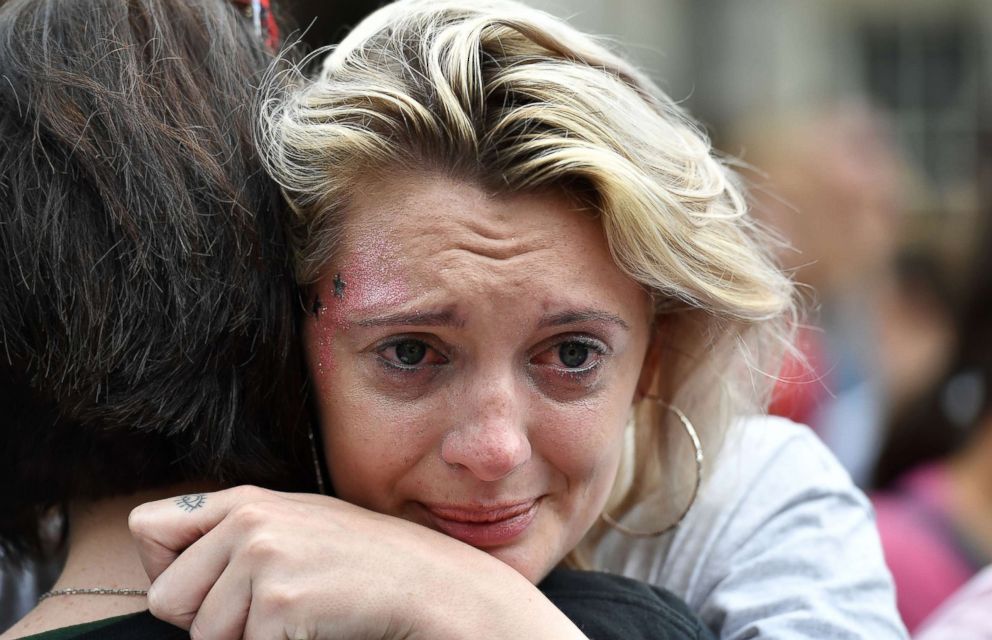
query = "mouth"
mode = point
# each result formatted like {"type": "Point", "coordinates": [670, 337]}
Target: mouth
{"type": "Point", "coordinates": [483, 526]}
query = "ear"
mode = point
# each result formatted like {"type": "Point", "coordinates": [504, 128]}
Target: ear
{"type": "Point", "coordinates": [652, 359]}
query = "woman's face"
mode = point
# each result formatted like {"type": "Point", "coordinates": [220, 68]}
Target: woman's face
{"type": "Point", "coordinates": [474, 361]}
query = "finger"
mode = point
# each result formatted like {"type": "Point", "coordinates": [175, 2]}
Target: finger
{"type": "Point", "coordinates": [271, 616]}
{"type": "Point", "coordinates": [224, 611]}
{"type": "Point", "coordinates": [177, 594]}
{"type": "Point", "coordinates": [164, 528]}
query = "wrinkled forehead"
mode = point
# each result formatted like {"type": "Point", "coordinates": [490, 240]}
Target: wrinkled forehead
{"type": "Point", "coordinates": [421, 237]}
{"type": "Point", "coordinates": [424, 212]}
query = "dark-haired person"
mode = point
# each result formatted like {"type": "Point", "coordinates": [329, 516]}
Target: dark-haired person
{"type": "Point", "coordinates": [147, 305]}
{"type": "Point", "coordinates": [934, 501]}
{"type": "Point", "coordinates": [147, 329]}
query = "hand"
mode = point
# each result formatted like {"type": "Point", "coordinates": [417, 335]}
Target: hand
{"type": "Point", "coordinates": [248, 562]}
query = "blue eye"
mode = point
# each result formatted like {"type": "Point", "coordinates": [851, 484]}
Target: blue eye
{"type": "Point", "coordinates": [573, 354]}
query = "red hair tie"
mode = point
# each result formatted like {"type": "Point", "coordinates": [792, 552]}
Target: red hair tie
{"type": "Point", "coordinates": [260, 12]}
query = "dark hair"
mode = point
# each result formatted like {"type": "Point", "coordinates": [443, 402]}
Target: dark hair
{"type": "Point", "coordinates": [147, 306]}
{"type": "Point", "coordinates": [947, 417]}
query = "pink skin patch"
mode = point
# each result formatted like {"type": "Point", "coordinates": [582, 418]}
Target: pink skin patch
{"type": "Point", "coordinates": [368, 284]}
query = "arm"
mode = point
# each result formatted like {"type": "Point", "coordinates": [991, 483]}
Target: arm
{"type": "Point", "coordinates": [262, 564]}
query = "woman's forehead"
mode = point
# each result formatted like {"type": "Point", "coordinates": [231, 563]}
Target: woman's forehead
{"type": "Point", "coordinates": [432, 202]}
{"type": "Point", "coordinates": [448, 242]}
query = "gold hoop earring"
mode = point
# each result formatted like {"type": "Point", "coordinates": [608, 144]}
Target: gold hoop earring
{"type": "Point", "coordinates": [698, 447]}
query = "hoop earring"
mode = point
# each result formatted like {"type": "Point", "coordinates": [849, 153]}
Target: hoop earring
{"type": "Point", "coordinates": [698, 447]}
{"type": "Point", "coordinates": [321, 487]}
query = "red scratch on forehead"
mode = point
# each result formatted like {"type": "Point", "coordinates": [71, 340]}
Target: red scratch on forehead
{"type": "Point", "coordinates": [368, 281]}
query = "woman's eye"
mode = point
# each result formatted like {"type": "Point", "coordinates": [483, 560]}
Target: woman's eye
{"type": "Point", "coordinates": [409, 353]}
{"type": "Point", "coordinates": [573, 354]}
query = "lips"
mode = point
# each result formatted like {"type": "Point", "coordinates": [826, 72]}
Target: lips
{"type": "Point", "coordinates": [483, 526]}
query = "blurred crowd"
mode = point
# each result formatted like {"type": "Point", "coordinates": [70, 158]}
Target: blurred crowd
{"type": "Point", "coordinates": [894, 359]}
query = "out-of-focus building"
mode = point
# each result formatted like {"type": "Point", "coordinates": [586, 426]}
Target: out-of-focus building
{"type": "Point", "coordinates": [925, 63]}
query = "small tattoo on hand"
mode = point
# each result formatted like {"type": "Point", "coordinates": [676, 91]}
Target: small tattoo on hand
{"type": "Point", "coordinates": [339, 286]}
{"type": "Point", "coordinates": [191, 502]}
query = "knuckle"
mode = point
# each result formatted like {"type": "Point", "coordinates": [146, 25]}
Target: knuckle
{"type": "Point", "coordinates": [196, 631]}
{"type": "Point", "coordinates": [139, 520]}
{"type": "Point", "coordinates": [249, 492]}
{"type": "Point", "coordinates": [165, 605]}
{"type": "Point", "coordinates": [159, 603]}
{"type": "Point", "coordinates": [251, 515]}
{"type": "Point", "coordinates": [201, 629]}
{"type": "Point", "coordinates": [299, 632]}
{"type": "Point", "coordinates": [279, 601]}
{"type": "Point", "coordinates": [261, 549]}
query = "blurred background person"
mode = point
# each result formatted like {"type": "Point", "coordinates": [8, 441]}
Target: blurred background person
{"type": "Point", "coordinates": [828, 182]}
{"type": "Point", "coordinates": [934, 503]}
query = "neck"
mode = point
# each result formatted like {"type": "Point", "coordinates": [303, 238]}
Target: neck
{"type": "Point", "coordinates": [101, 553]}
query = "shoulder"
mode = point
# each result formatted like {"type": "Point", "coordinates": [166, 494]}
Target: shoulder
{"type": "Point", "coordinates": [768, 466]}
{"type": "Point", "coordinates": [780, 543]}
{"type": "Point", "coordinates": [768, 461]}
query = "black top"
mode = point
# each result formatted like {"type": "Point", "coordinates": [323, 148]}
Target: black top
{"type": "Point", "coordinates": [603, 606]}
{"type": "Point", "coordinates": [607, 607]}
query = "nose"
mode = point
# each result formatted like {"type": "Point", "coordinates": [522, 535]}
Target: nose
{"type": "Point", "coordinates": [491, 442]}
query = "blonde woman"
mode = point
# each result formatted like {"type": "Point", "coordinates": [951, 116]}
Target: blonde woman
{"type": "Point", "coordinates": [539, 318]}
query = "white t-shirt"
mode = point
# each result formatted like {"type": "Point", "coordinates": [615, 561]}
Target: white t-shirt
{"type": "Point", "coordinates": [780, 544]}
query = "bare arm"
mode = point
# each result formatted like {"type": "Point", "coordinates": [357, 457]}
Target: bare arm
{"type": "Point", "coordinates": [261, 564]}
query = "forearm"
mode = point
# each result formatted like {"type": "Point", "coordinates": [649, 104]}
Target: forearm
{"type": "Point", "coordinates": [493, 602]}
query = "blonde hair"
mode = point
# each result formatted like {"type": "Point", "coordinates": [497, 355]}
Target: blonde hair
{"type": "Point", "coordinates": [514, 99]}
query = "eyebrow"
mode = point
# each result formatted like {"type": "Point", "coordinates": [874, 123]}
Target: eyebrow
{"type": "Point", "coordinates": [417, 318]}
{"type": "Point", "coordinates": [575, 316]}
{"type": "Point", "coordinates": [448, 318]}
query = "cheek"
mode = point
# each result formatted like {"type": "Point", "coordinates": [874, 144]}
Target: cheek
{"type": "Point", "coordinates": [371, 446]}
{"type": "Point", "coordinates": [325, 380]}
{"type": "Point", "coordinates": [584, 445]}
